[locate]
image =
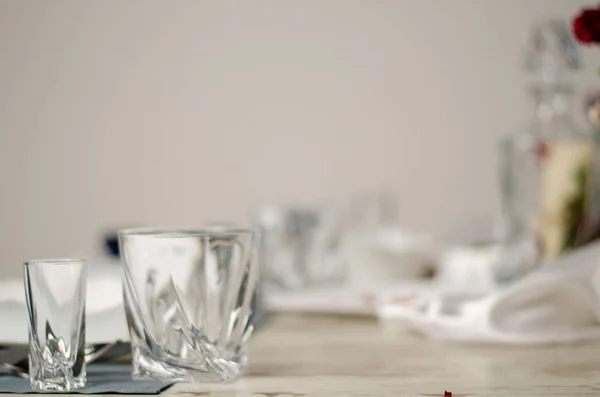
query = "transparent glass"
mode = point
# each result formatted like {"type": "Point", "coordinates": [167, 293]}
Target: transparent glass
{"type": "Point", "coordinates": [371, 210]}
{"type": "Point", "coordinates": [55, 291]}
{"type": "Point", "coordinates": [301, 246]}
{"type": "Point", "coordinates": [549, 185]}
{"type": "Point", "coordinates": [188, 300]}
{"type": "Point", "coordinates": [550, 49]}
{"type": "Point", "coordinates": [549, 170]}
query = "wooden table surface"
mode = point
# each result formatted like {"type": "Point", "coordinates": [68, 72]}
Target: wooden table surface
{"type": "Point", "coordinates": [305, 356]}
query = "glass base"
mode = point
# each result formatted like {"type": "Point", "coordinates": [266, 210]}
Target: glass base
{"type": "Point", "coordinates": [516, 261]}
{"type": "Point", "coordinates": [219, 370]}
{"type": "Point", "coordinates": [57, 385]}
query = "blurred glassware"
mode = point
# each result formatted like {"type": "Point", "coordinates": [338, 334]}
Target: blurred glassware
{"type": "Point", "coordinates": [188, 301]}
{"type": "Point", "coordinates": [389, 255]}
{"type": "Point", "coordinates": [468, 268]}
{"type": "Point", "coordinates": [377, 248]}
{"type": "Point", "coordinates": [548, 177]}
{"type": "Point", "coordinates": [550, 49]}
{"type": "Point", "coordinates": [371, 209]}
{"type": "Point", "coordinates": [300, 246]}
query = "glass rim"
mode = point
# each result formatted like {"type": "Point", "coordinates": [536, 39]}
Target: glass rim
{"type": "Point", "coordinates": [187, 232]}
{"type": "Point", "coordinates": [55, 261]}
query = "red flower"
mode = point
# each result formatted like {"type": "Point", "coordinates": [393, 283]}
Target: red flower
{"type": "Point", "coordinates": [586, 26]}
{"type": "Point", "coordinates": [447, 394]}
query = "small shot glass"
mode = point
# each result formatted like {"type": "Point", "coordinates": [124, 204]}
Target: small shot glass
{"type": "Point", "coordinates": [55, 291]}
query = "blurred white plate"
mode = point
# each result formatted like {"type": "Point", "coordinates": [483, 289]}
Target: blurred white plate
{"type": "Point", "coordinates": [343, 299]}
{"type": "Point", "coordinates": [105, 320]}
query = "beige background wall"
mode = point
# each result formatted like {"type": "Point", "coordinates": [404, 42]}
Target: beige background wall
{"type": "Point", "coordinates": [124, 112]}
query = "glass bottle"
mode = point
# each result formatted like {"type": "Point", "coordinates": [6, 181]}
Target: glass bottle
{"type": "Point", "coordinates": [548, 188]}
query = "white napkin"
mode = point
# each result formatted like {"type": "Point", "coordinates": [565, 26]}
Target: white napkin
{"type": "Point", "coordinates": [468, 268]}
{"type": "Point", "coordinates": [556, 303]}
{"type": "Point", "coordinates": [102, 293]}
{"type": "Point", "coordinates": [105, 320]}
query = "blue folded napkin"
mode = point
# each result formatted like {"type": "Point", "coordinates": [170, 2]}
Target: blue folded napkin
{"type": "Point", "coordinates": [101, 379]}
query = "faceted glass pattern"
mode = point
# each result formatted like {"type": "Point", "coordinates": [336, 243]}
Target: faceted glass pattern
{"type": "Point", "coordinates": [55, 294]}
{"type": "Point", "coordinates": [188, 301]}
